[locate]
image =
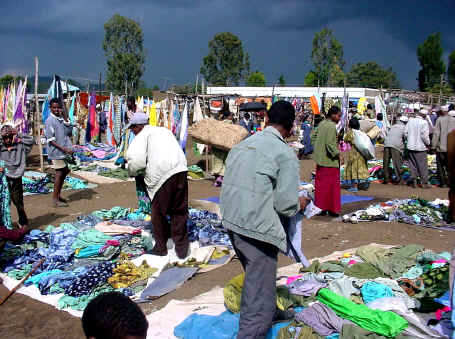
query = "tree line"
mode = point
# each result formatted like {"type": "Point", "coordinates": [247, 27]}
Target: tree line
{"type": "Point", "coordinates": [228, 64]}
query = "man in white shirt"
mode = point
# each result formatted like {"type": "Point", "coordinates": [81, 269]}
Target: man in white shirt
{"type": "Point", "coordinates": [155, 155]}
{"type": "Point", "coordinates": [418, 136]}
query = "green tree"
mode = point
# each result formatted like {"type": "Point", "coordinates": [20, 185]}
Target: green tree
{"type": "Point", "coordinates": [336, 76]}
{"type": "Point", "coordinates": [184, 89]}
{"type": "Point", "coordinates": [451, 70]}
{"type": "Point", "coordinates": [226, 64]}
{"type": "Point", "coordinates": [327, 52]}
{"type": "Point", "coordinates": [311, 79]}
{"type": "Point", "coordinates": [371, 75]}
{"type": "Point", "coordinates": [281, 81]}
{"type": "Point", "coordinates": [124, 50]}
{"type": "Point", "coordinates": [446, 89]}
{"type": "Point", "coordinates": [156, 88]}
{"type": "Point", "coordinates": [256, 79]}
{"type": "Point", "coordinates": [429, 54]}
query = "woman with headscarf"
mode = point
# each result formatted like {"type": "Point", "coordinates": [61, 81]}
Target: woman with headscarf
{"type": "Point", "coordinates": [356, 171]}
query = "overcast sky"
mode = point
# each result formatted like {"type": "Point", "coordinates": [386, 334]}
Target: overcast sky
{"type": "Point", "coordinates": [67, 35]}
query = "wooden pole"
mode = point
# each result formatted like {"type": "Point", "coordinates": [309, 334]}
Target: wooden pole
{"type": "Point", "coordinates": [37, 123]}
{"type": "Point", "coordinates": [101, 104]}
{"type": "Point", "coordinates": [21, 282]}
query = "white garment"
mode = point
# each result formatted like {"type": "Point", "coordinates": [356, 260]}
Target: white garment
{"type": "Point", "coordinates": [418, 134]}
{"type": "Point", "coordinates": [416, 328]}
{"type": "Point", "coordinates": [155, 153]}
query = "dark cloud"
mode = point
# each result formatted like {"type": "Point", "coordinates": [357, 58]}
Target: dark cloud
{"type": "Point", "coordinates": [67, 36]}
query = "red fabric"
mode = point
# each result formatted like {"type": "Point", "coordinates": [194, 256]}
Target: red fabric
{"type": "Point", "coordinates": [327, 195]}
{"type": "Point", "coordinates": [83, 97]}
{"type": "Point", "coordinates": [12, 235]}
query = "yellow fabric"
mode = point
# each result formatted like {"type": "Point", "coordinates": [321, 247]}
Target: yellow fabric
{"type": "Point", "coordinates": [362, 105]}
{"type": "Point", "coordinates": [152, 114]}
{"type": "Point", "coordinates": [126, 274]}
{"type": "Point", "coordinates": [232, 293]}
{"type": "Point", "coordinates": [356, 164]}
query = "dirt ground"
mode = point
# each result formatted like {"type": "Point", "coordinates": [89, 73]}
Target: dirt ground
{"type": "Point", "coordinates": [24, 317]}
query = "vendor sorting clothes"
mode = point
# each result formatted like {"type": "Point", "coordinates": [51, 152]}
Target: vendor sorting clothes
{"type": "Point", "coordinates": [418, 134]}
{"type": "Point", "coordinates": [58, 132]}
{"type": "Point", "coordinates": [260, 185]}
{"type": "Point", "coordinates": [156, 155]}
{"type": "Point", "coordinates": [393, 150]}
{"type": "Point", "coordinates": [14, 148]}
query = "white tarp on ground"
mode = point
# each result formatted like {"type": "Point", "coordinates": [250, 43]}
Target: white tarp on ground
{"type": "Point", "coordinates": [200, 254]}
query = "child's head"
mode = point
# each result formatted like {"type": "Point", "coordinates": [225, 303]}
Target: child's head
{"type": "Point", "coordinates": [7, 132]}
{"type": "Point", "coordinates": [113, 315]}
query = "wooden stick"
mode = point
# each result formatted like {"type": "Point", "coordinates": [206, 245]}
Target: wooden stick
{"type": "Point", "coordinates": [21, 282]}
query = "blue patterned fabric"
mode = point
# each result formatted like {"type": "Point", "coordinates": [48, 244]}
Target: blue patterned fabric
{"type": "Point", "coordinates": [5, 216]}
{"type": "Point", "coordinates": [95, 276]}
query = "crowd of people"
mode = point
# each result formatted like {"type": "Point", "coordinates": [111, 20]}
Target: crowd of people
{"type": "Point", "coordinates": [259, 181]}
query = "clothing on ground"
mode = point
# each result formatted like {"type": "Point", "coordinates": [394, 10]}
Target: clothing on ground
{"type": "Point", "coordinates": [322, 319]}
{"type": "Point", "coordinates": [384, 323]}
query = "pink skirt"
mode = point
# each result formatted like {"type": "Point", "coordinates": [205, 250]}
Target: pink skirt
{"type": "Point", "coordinates": [327, 195]}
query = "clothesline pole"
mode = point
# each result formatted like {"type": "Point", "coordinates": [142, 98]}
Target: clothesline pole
{"type": "Point", "coordinates": [207, 159]}
{"type": "Point", "coordinates": [37, 123]}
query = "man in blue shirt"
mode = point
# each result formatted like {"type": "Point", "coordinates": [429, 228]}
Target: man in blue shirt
{"type": "Point", "coordinates": [58, 133]}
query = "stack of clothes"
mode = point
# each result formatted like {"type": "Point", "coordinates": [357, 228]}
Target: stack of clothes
{"type": "Point", "coordinates": [376, 292]}
{"type": "Point", "coordinates": [93, 152]}
{"type": "Point", "coordinates": [410, 211]}
{"type": "Point", "coordinates": [95, 254]}
{"type": "Point", "coordinates": [42, 183]}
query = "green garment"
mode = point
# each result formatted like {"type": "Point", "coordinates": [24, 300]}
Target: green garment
{"type": "Point", "coordinates": [394, 262]}
{"type": "Point", "coordinates": [331, 266]}
{"type": "Point", "coordinates": [363, 271]}
{"type": "Point", "coordinates": [260, 185]}
{"type": "Point", "coordinates": [324, 139]}
{"type": "Point", "coordinates": [382, 322]}
{"type": "Point", "coordinates": [117, 212]}
{"type": "Point", "coordinates": [18, 274]}
{"type": "Point", "coordinates": [289, 332]}
{"type": "Point", "coordinates": [90, 237]}
{"type": "Point", "coordinates": [355, 332]}
{"type": "Point", "coordinates": [118, 173]}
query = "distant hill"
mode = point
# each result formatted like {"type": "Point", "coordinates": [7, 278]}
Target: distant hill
{"type": "Point", "coordinates": [44, 82]}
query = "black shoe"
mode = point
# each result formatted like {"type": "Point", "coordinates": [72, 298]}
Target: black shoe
{"type": "Point", "coordinates": [283, 315]}
{"type": "Point", "coordinates": [333, 214]}
{"type": "Point", "coordinates": [155, 251]}
{"type": "Point", "coordinates": [322, 214]}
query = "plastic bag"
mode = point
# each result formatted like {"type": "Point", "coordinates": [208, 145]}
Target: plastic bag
{"type": "Point", "coordinates": [363, 144]}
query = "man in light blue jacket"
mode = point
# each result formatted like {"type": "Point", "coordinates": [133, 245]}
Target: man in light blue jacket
{"type": "Point", "coordinates": [261, 184]}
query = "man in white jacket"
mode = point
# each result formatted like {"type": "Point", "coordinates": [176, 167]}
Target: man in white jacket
{"type": "Point", "coordinates": [418, 135]}
{"type": "Point", "coordinates": [156, 155]}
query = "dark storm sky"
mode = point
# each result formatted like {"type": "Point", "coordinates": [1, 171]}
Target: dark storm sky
{"type": "Point", "coordinates": [67, 35]}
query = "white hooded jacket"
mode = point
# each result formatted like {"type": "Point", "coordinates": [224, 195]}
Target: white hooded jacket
{"type": "Point", "coordinates": [156, 154]}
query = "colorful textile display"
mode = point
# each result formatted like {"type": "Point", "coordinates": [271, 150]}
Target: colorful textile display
{"type": "Point", "coordinates": [92, 130]}
{"type": "Point", "coordinates": [5, 216]}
